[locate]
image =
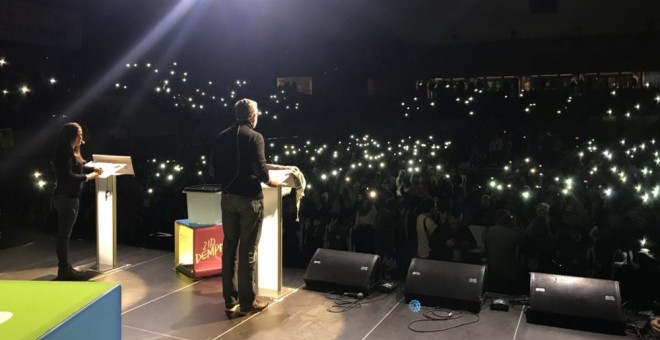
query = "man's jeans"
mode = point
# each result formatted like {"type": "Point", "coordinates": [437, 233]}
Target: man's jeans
{"type": "Point", "coordinates": [241, 219]}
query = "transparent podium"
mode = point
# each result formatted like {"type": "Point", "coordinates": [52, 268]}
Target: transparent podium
{"type": "Point", "coordinates": [269, 254]}
{"type": "Point", "coordinates": [106, 207]}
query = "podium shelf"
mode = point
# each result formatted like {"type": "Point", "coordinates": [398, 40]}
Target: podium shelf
{"type": "Point", "coordinates": [203, 188]}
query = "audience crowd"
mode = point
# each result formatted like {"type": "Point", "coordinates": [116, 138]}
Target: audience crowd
{"type": "Point", "coordinates": [542, 180]}
{"type": "Point", "coordinates": [516, 216]}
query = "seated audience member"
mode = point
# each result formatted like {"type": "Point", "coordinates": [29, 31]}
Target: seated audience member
{"type": "Point", "coordinates": [363, 230]}
{"type": "Point", "coordinates": [485, 214]}
{"type": "Point", "coordinates": [425, 226]}
{"type": "Point", "coordinates": [539, 241]}
{"type": "Point", "coordinates": [388, 227]}
{"type": "Point", "coordinates": [502, 242]}
{"type": "Point", "coordinates": [434, 241]}
{"type": "Point", "coordinates": [461, 236]}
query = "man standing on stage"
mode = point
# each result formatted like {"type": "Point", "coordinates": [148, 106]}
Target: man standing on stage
{"type": "Point", "coordinates": [239, 166]}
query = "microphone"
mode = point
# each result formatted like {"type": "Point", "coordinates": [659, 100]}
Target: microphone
{"type": "Point", "coordinates": [358, 296]}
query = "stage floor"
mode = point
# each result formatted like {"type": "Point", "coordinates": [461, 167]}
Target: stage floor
{"type": "Point", "coordinates": [159, 303]}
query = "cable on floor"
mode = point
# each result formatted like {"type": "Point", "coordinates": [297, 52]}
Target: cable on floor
{"type": "Point", "coordinates": [437, 314]}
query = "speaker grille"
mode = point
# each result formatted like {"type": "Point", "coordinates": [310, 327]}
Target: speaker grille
{"type": "Point", "coordinates": [575, 302]}
{"type": "Point", "coordinates": [336, 270]}
{"type": "Point", "coordinates": [446, 284]}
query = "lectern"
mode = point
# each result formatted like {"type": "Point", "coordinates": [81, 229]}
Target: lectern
{"type": "Point", "coordinates": [106, 207]}
{"type": "Point", "coordinates": [269, 253]}
{"type": "Point", "coordinates": [206, 210]}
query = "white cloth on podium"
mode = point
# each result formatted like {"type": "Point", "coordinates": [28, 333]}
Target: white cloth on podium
{"type": "Point", "coordinates": [299, 182]}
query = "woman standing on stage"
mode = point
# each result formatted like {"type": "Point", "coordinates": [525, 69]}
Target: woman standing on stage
{"type": "Point", "coordinates": [71, 174]}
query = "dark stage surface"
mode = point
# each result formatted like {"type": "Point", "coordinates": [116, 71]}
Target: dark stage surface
{"type": "Point", "coordinates": [158, 303]}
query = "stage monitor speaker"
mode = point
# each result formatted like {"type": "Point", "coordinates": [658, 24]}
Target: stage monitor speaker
{"type": "Point", "coordinates": [446, 284]}
{"type": "Point", "coordinates": [575, 302]}
{"type": "Point", "coordinates": [342, 271]}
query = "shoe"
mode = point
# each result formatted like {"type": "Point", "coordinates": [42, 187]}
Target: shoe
{"type": "Point", "coordinates": [257, 306]}
{"type": "Point", "coordinates": [232, 311]}
{"type": "Point", "coordinates": [68, 273]}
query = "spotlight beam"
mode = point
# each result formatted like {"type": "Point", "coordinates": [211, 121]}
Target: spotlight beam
{"type": "Point", "coordinates": [172, 50]}
{"type": "Point", "coordinates": [139, 50]}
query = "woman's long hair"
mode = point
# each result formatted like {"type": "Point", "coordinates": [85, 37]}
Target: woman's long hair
{"type": "Point", "coordinates": [68, 133]}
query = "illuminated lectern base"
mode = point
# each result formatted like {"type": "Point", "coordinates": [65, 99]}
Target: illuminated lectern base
{"type": "Point", "coordinates": [269, 253]}
{"type": "Point", "coordinates": [106, 207]}
{"type": "Point", "coordinates": [106, 224]}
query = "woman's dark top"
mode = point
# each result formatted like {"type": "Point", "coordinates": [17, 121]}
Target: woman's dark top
{"type": "Point", "coordinates": [70, 175]}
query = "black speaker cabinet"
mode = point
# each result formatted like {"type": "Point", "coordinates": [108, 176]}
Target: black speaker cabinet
{"type": "Point", "coordinates": [342, 271]}
{"type": "Point", "coordinates": [575, 302]}
{"type": "Point", "coordinates": [446, 284]}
